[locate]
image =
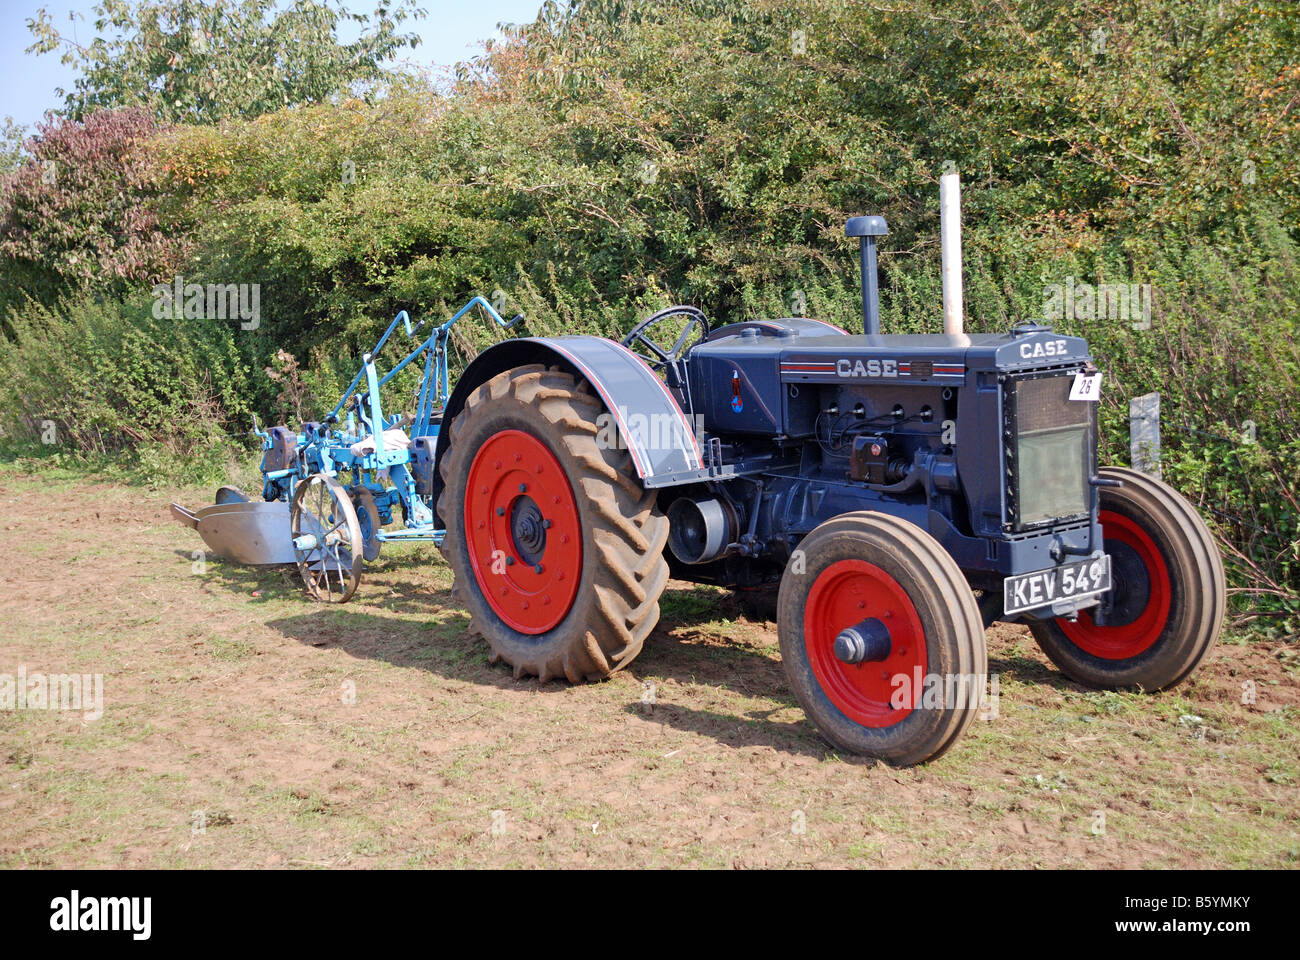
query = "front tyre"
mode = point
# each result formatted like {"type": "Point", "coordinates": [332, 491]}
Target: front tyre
{"type": "Point", "coordinates": [881, 638]}
{"type": "Point", "coordinates": [1167, 600]}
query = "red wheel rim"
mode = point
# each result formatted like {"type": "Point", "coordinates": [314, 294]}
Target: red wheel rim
{"type": "Point", "coordinates": [846, 593]}
{"type": "Point", "coordinates": [522, 531]}
{"type": "Point", "coordinates": [1131, 639]}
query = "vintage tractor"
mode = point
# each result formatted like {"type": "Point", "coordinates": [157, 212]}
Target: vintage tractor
{"type": "Point", "coordinates": [905, 491]}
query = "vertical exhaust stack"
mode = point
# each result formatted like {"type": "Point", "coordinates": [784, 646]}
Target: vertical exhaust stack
{"type": "Point", "coordinates": [950, 243]}
{"type": "Point", "coordinates": [867, 229]}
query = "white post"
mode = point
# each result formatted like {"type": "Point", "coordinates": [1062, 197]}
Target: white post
{"type": "Point", "coordinates": [950, 243]}
{"type": "Point", "coordinates": [1144, 433]}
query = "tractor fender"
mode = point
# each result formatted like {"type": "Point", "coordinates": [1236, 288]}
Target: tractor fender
{"type": "Point", "coordinates": [661, 440]}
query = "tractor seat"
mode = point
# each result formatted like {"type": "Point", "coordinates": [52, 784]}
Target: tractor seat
{"type": "Point", "coordinates": [393, 440]}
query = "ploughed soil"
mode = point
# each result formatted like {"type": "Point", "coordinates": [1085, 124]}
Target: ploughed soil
{"type": "Point", "coordinates": [245, 725]}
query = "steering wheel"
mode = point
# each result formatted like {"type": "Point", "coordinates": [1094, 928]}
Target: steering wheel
{"type": "Point", "coordinates": [662, 357]}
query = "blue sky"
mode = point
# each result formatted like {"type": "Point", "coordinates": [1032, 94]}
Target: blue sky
{"type": "Point", "coordinates": [452, 31]}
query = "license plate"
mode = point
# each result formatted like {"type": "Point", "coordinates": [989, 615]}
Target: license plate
{"type": "Point", "coordinates": [1042, 588]}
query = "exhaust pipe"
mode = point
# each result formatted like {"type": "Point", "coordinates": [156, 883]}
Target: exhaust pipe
{"type": "Point", "coordinates": [950, 244]}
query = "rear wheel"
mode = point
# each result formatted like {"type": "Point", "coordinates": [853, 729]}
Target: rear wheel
{"type": "Point", "coordinates": [881, 638]}
{"type": "Point", "coordinates": [556, 547]}
{"type": "Point", "coordinates": [1168, 598]}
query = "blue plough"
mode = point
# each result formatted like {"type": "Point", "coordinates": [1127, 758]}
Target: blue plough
{"type": "Point", "coordinates": [341, 481]}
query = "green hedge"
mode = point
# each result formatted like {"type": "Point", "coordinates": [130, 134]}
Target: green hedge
{"type": "Point", "coordinates": [618, 155]}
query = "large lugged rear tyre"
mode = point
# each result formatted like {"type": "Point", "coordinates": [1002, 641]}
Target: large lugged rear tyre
{"type": "Point", "coordinates": [556, 547]}
{"type": "Point", "coordinates": [1167, 575]}
{"type": "Point", "coordinates": [875, 570]}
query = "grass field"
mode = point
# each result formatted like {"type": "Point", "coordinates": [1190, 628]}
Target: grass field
{"type": "Point", "coordinates": [244, 725]}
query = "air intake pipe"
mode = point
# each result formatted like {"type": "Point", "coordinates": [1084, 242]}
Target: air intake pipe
{"type": "Point", "coordinates": [950, 247]}
{"type": "Point", "coordinates": [867, 229]}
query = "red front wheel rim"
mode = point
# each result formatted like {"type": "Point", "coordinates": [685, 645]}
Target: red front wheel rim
{"type": "Point", "coordinates": [522, 532]}
{"type": "Point", "coordinates": [847, 593]}
{"type": "Point", "coordinates": [1135, 638]}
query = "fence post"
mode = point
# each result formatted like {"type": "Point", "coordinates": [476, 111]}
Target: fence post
{"type": "Point", "coordinates": [1144, 433]}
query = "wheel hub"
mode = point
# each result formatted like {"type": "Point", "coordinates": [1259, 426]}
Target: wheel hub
{"type": "Point", "coordinates": [865, 642]}
{"type": "Point", "coordinates": [522, 531]}
{"type": "Point", "coordinates": [1132, 586]}
{"type": "Point", "coordinates": [1140, 600]}
{"type": "Point", "coordinates": [528, 529]}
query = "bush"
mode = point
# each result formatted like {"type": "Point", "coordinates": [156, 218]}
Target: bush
{"type": "Point", "coordinates": [613, 157]}
{"type": "Point", "coordinates": [102, 379]}
{"type": "Point", "coordinates": [75, 215]}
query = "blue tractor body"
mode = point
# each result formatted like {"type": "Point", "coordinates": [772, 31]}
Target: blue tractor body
{"type": "Point", "coordinates": [764, 430]}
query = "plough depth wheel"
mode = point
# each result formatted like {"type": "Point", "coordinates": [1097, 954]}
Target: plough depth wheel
{"type": "Point", "coordinates": [556, 547]}
{"type": "Point", "coordinates": [327, 539]}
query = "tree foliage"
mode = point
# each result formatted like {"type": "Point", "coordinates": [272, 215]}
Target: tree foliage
{"type": "Point", "coordinates": [78, 213]}
{"type": "Point", "coordinates": [201, 62]}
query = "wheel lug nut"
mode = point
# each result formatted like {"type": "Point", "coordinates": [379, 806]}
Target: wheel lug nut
{"type": "Point", "coordinates": [501, 511]}
{"type": "Point", "coordinates": [482, 524]}
{"type": "Point", "coordinates": [510, 561]}
{"type": "Point", "coordinates": [523, 488]}
{"type": "Point", "coordinates": [546, 524]}
{"type": "Point", "coordinates": [537, 568]}
{"type": "Point", "coordinates": [518, 457]}
{"type": "Point", "coordinates": [862, 605]}
{"type": "Point", "coordinates": [497, 465]}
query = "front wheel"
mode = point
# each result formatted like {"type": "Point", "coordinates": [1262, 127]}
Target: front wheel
{"type": "Point", "coordinates": [1168, 598]}
{"type": "Point", "coordinates": [881, 638]}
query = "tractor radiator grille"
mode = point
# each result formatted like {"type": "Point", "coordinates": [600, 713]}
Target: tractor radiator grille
{"type": "Point", "coordinates": [1044, 404]}
{"type": "Point", "coordinates": [1050, 449]}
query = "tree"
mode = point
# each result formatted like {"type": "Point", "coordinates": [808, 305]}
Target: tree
{"type": "Point", "coordinates": [77, 213]}
{"type": "Point", "coordinates": [12, 136]}
{"type": "Point", "coordinates": [201, 62]}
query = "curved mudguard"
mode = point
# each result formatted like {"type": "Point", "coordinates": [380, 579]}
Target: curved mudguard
{"type": "Point", "coordinates": [663, 443]}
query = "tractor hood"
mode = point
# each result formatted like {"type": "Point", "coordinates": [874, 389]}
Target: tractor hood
{"type": "Point", "coordinates": [907, 358]}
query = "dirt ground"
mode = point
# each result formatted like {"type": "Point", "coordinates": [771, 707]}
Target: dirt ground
{"type": "Point", "coordinates": [244, 725]}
